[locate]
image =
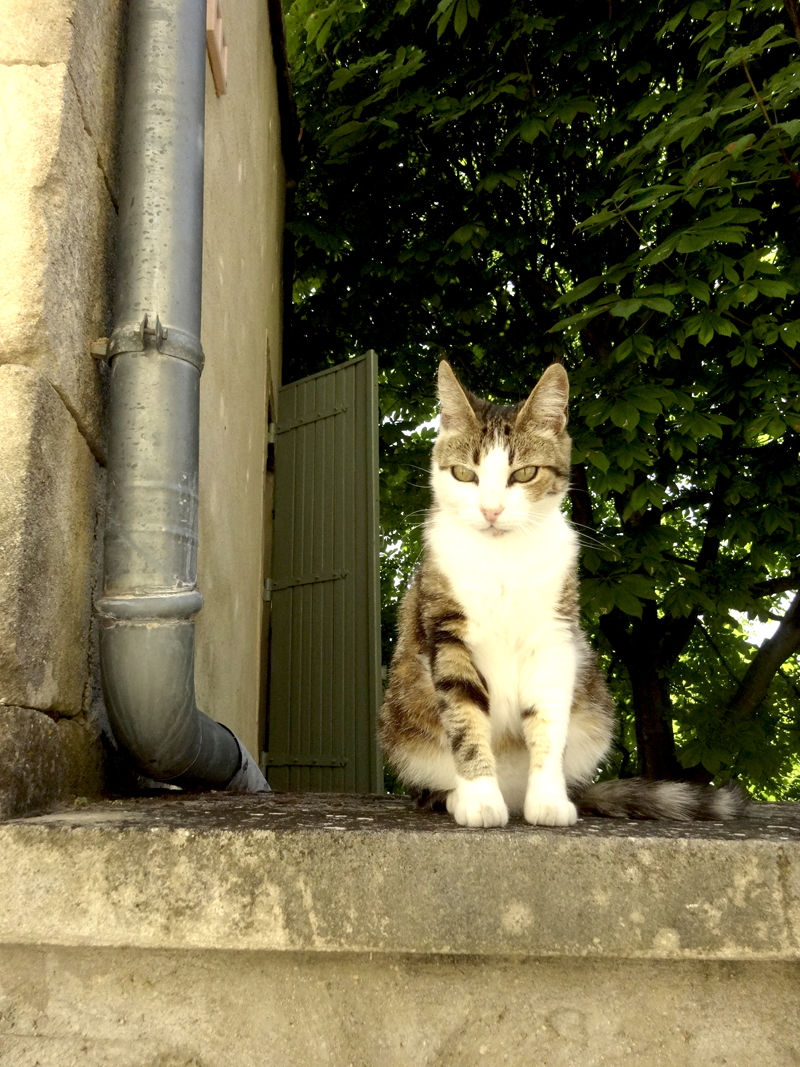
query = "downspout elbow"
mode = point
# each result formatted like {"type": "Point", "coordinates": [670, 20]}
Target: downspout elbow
{"type": "Point", "coordinates": [147, 656]}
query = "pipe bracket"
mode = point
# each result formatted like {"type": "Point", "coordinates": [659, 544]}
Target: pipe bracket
{"type": "Point", "coordinates": [127, 337]}
{"type": "Point", "coordinates": [181, 345]}
{"type": "Point", "coordinates": [138, 336]}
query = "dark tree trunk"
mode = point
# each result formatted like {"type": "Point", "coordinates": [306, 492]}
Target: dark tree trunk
{"type": "Point", "coordinates": [651, 701]}
{"type": "Point", "coordinates": [640, 649]}
{"type": "Point", "coordinates": [654, 738]}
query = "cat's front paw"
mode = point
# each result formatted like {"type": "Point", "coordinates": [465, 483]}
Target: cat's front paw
{"type": "Point", "coordinates": [549, 809]}
{"type": "Point", "coordinates": [477, 803]}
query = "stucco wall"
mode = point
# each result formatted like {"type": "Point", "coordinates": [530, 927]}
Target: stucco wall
{"type": "Point", "coordinates": [244, 202]}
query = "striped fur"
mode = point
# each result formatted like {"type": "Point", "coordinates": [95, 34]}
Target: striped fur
{"type": "Point", "coordinates": [640, 798]}
{"type": "Point", "coordinates": [495, 703]}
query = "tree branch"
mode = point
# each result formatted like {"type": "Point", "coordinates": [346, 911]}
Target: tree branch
{"type": "Point", "coordinates": [717, 651]}
{"type": "Point", "coordinates": [794, 173]}
{"type": "Point", "coordinates": [791, 8]}
{"type": "Point", "coordinates": [777, 585]}
{"type": "Point", "coordinates": [773, 652]}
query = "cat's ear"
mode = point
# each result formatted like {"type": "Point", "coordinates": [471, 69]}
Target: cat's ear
{"type": "Point", "coordinates": [547, 406]}
{"type": "Point", "coordinates": [456, 410]}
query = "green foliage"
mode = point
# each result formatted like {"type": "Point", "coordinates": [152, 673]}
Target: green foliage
{"type": "Point", "coordinates": [505, 187]}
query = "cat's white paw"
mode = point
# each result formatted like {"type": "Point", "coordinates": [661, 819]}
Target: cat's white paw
{"type": "Point", "coordinates": [477, 803]}
{"type": "Point", "coordinates": [549, 809]}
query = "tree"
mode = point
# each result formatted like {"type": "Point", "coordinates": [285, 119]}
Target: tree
{"type": "Point", "coordinates": [510, 186]}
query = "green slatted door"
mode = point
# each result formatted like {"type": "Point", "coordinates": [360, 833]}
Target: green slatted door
{"type": "Point", "coordinates": [325, 645]}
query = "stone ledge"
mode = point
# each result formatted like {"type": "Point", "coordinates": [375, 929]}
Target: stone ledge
{"type": "Point", "coordinates": [339, 874]}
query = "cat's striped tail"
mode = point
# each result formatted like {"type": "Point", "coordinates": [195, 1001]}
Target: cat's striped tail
{"type": "Point", "coordinates": [641, 798]}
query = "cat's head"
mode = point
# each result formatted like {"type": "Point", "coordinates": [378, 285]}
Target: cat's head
{"type": "Point", "coordinates": [499, 469]}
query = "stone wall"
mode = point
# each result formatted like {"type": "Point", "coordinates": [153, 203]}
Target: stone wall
{"type": "Point", "coordinates": [293, 930]}
{"type": "Point", "coordinates": [61, 71]}
{"type": "Point", "coordinates": [59, 95]}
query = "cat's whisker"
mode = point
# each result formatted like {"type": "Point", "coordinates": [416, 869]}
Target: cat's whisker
{"type": "Point", "coordinates": [531, 526]}
{"type": "Point", "coordinates": [592, 542]}
{"type": "Point", "coordinates": [583, 526]}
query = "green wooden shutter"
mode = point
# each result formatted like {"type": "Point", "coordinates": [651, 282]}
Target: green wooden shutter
{"type": "Point", "coordinates": [325, 647]}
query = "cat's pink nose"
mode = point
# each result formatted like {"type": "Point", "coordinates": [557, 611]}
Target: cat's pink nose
{"type": "Point", "coordinates": [492, 514]}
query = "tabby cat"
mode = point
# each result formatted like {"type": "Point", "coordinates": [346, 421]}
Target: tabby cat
{"type": "Point", "coordinates": [495, 703]}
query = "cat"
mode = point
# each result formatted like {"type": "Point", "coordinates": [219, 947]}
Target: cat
{"type": "Point", "coordinates": [495, 703]}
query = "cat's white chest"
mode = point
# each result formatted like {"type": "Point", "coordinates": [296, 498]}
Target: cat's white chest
{"type": "Point", "coordinates": [507, 586]}
{"type": "Point", "coordinates": [510, 594]}
{"type": "Point", "coordinates": [511, 607]}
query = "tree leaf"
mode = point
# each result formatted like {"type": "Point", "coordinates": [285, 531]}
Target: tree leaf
{"type": "Point", "coordinates": [624, 308]}
{"type": "Point", "coordinates": [460, 18]}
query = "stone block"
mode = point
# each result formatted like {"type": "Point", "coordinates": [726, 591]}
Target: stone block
{"type": "Point", "coordinates": [88, 36]}
{"type": "Point", "coordinates": [30, 115]}
{"type": "Point", "coordinates": [56, 232]}
{"type": "Point", "coordinates": [84, 1007]}
{"type": "Point", "coordinates": [47, 528]}
{"type": "Point", "coordinates": [36, 31]}
{"type": "Point", "coordinates": [44, 762]}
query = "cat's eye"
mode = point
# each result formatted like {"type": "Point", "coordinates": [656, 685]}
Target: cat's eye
{"type": "Point", "coordinates": [524, 474]}
{"type": "Point", "coordinates": [464, 474]}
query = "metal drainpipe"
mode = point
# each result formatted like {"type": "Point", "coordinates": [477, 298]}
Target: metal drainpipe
{"type": "Point", "coordinates": [150, 595]}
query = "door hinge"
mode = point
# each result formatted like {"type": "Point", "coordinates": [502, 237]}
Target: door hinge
{"type": "Point", "coordinates": [308, 579]}
{"type": "Point", "coordinates": [314, 416]}
{"type": "Point", "coordinates": [266, 593]}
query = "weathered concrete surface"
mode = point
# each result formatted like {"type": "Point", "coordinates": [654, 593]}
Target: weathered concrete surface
{"type": "Point", "coordinates": [44, 762]}
{"type": "Point", "coordinates": [48, 517]}
{"type": "Point", "coordinates": [242, 299]}
{"type": "Point", "coordinates": [284, 931]}
{"type": "Point", "coordinates": [301, 873]}
{"type": "Point", "coordinates": [133, 1008]}
{"type": "Point", "coordinates": [59, 66]}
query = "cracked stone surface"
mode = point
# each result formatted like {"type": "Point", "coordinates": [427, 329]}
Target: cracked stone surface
{"type": "Point", "coordinates": [45, 761]}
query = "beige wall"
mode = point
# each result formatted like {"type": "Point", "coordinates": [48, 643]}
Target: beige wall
{"type": "Point", "coordinates": [241, 335]}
